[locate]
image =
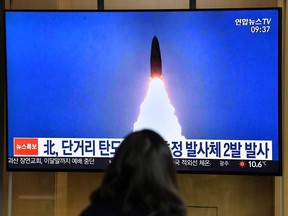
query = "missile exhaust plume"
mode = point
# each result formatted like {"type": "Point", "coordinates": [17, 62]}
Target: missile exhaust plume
{"type": "Point", "coordinates": [156, 111]}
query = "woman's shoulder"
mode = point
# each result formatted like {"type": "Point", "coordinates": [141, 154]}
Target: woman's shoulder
{"type": "Point", "coordinates": [110, 209]}
{"type": "Point", "coordinates": [99, 209]}
{"type": "Point", "coordinates": [107, 209]}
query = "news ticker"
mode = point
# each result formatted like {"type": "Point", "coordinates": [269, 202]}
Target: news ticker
{"type": "Point", "coordinates": [181, 149]}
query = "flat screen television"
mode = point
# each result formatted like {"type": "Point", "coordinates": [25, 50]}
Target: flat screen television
{"type": "Point", "coordinates": [209, 81]}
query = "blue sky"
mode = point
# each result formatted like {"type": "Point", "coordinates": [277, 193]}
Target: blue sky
{"type": "Point", "coordinates": [85, 74]}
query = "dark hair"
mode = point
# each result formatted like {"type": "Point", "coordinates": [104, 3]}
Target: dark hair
{"type": "Point", "coordinates": [142, 176]}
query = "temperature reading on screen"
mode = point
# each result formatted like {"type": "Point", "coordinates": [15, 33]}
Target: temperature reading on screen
{"type": "Point", "coordinates": [257, 164]}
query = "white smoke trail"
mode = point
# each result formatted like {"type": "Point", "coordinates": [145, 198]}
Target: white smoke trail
{"type": "Point", "coordinates": [158, 114]}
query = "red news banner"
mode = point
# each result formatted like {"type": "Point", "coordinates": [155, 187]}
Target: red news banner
{"type": "Point", "coordinates": [26, 146]}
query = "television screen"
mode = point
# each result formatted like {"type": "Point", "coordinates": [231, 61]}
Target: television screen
{"type": "Point", "coordinates": [208, 81]}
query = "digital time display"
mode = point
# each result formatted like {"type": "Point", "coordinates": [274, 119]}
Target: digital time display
{"type": "Point", "coordinates": [260, 29]}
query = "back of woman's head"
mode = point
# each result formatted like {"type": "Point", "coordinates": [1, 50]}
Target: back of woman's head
{"type": "Point", "coordinates": [144, 158]}
{"type": "Point", "coordinates": [142, 175]}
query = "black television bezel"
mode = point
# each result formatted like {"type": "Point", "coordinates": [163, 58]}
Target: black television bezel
{"type": "Point", "coordinates": [280, 108]}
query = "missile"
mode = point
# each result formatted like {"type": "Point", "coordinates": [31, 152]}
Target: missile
{"type": "Point", "coordinates": [155, 60]}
